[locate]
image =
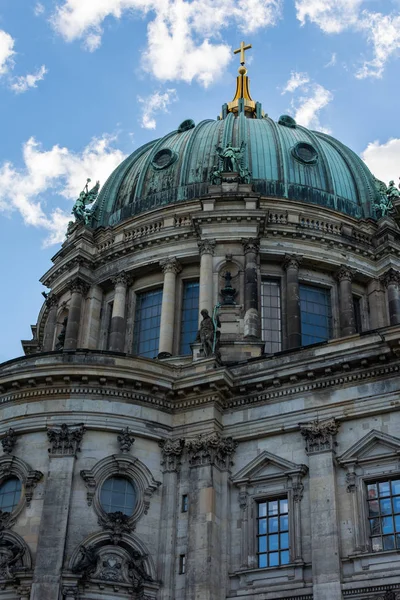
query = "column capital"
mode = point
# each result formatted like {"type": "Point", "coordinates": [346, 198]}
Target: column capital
{"type": "Point", "coordinates": [51, 301]}
{"type": "Point", "coordinates": [319, 435]}
{"type": "Point", "coordinates": [251, 245]}
{"type": "Point", "coordinates": [211, 449]}
{"type": "Point", "coordinates": [391, 276]}
{"type": "Point", "coordinates": [344, 273]}
{"type": "Point", "coordinates": [170, 265]}
{"type": "Point", "coordinates": [65, 439]}
{"type": "Point", "coordinates": [121, 278]}
{"type": "Point", "coordinates": [79, 286]}
{"type": "Point", "coordinates": [171, 451]}
{"type": "Point", "coordinates": [206, 246]}
{"type": "Point", "coordinates": [292, 261]}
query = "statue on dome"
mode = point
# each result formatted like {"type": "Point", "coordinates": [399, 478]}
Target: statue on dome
{"type": "Point", "coordinates": [384, 206]}
{"type": "Point", "coordinates": [392, 192]}
{"type": "Point", "coordinates": [231, 157]}
{"type": "Point", "coordinates": [86, 197]}
{"type": "Point", "coordinates": [215, 177]}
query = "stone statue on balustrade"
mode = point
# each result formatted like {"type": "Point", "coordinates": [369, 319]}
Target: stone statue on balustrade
{"type": "Point", "coordinates": [208, 335]}
{"type": "Point", "coordinates": [86, 197]}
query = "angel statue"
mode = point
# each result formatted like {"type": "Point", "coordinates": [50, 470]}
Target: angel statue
{"type": "Point", "coordinates": [231, 157]}
{"type": "Point", "coordinates": [384, 206]}
{"type": "Point", "coordinates": [86, 197]}
{"type": "Point", "coordinates": [392, 192]}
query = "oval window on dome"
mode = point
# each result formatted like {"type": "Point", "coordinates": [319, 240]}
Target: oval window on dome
{"type": "Point", "coordinates": [10, 494]}
{"type": "Point", "coordinates": [305, 153]}
{"type": "Point", "coordinates": [186, 125]}
{"type": "Point", "coordinates": [287, 121]}
{"type": "Point", "coordinates": [164, 158]}
{"type": "Point", "coordinates": [118, 495]}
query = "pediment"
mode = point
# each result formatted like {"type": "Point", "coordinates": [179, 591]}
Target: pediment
{"type": "Point", "coordinates": [375, 445]}
{"type": "Point", "coordinates": [266, 466]}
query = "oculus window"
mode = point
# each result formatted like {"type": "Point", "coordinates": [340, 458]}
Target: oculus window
{"type": "Point", "coordinates": [273, 533]}
{"type": "Point", "coordinates": [146, 332]}
{"type": "Point", "coordinates": [118, 495]}
{"type": "Point", "coordinates": [10, 494]}
{"type": "Point", "coordinates": [271, 324]}
{"type": "Point", "coordinates": [190, 316]}
{"type": "Point", "coordinates": [316, 315]}
{"type": "Point", "coordinates": [384, 514]}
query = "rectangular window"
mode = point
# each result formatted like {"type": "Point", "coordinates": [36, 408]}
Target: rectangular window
{"type": "Point", "coordinates": [357, 313]}
{"type": "Point", "coordinates": [384, 514]}
{"type": "Point", "coordinates": [185, 503]}
{"type": "Point", "coordinates": [271, 316]}
{"type": "Point", "coordinates": [182, 564]}
{"type": "Point", "coordinates": [190, 316]}
{"type": "Point", "coordinates": [273, 533]}
{"type": "Point", "coordinates": [316, 316]}
{"type": "Point", "coordinates": [146, 332]}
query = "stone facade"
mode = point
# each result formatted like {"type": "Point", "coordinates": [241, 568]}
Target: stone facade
{"type": "Point", "coordinates": [205, 441]}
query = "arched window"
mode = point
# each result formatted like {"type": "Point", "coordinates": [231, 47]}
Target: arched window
{"type": "Point", "coordinates": [118, 495]}
{"type": "Point", "coordinates": [10, 494]}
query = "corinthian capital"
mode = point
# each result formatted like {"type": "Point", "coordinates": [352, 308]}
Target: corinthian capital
{"type": "Point", "coordinates": [79, 286]}
{"type": "Point", "coordinates": [171, 454]}
{"type": "Point", "coordinates": [391, 276]}
{"type": "Point", "coordinates": [121, 279]}
{"type": "Point", "coordinates": [319, 435]}
{"type": "Point", "coordinates": [170, 265]}
{"type": "Point", "coordinates": [51, 301]}
{"type": "Point", "coordinates": [206, 246]}
{"type": "Point", "coordinates": [65, 439]}
{"type": "Point", "coordinates": [211, 449]}
{"type": "Point", "coordinates": [344, 273]}
{"type": "Point", "coordinates": [251, 245]}
{"type": "Point", "coordinates": [292, 261]}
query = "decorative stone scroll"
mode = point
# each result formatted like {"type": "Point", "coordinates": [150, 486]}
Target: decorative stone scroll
{"type": "Point", "coordinates": [126, 440]}
{"type": "Point", "coordinates": [171, 454]}
{"type": "Point", "coordinates": [8, 441]}
{"type": "Point", "coordinates": [65, 439]}
{"type": "Point", "coordinates": [211, 449]}
{"type": "Point", "coordinates": [319, 435]}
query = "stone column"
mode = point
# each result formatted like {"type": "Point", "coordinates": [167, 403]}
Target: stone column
{"type": "Point", "coordinates": [171, 463]}
{"type": "Point", "coordinates": [206, 297]}
{"type": "Point", "coordinates": [391, 280]}
{"type": "Point", "coordinates": [171, 268]}
{"type": "Point", "coordinates": [117, 329]}
{"type": "Point", "coordinates": [91, 329]}
{"type": "Point", "coordinates": [293, 316]}
{"type": "Point", "coordinates": [325, 558]}
{"type": "Point", "coordinates": [51, 323]}
{"type": "Point", "coordinates": [78, 291]}
{"type": "Point", "coordinates": [210, 459]}
{"type": "Point", "coordinates": [251, 316]}
{"type": "Point", "coordinates": [346, 307]}
{"type": "Point", "coordinates": [377, 304]}
{"type": "Point", "coordinates": [65, 441]}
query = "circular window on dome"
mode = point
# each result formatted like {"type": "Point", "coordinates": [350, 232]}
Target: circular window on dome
{"type": "Point", "coordinates": [186, 125]}
{"type": "Point", "coordinates": [118, 495]}
{"type": "Point", "coordinates": [164, 158]}
{"type": "Point", "coordinates": [287, 121]}
{"type": "Point", "coordinates": [10, 494]}
{"type": "Point", "coordinates": [305, 153]}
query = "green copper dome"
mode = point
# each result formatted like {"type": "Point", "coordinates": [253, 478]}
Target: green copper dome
{"type": "Point", "coordinates": [284, 159]}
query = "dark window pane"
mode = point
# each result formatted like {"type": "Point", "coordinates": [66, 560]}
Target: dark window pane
{"type": "Point", "coordinates": [147, 323]}
{"type": "Point", "coordinates": [190, 316]}
{"type": "Point", "coordinates": [388, 542]}
{"type": "Point", "coordinates": [10, 494]}
{"type": "Point", "coordinates": [316, 316]}
{"type": "Point", "coordinates": [386, 506]}
{"type": "Point", "coordinates": [375, 526]}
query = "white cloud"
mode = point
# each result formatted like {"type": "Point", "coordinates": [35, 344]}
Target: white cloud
{"type": "Point", "coordinates": [332, 61]}
{"type": "Point", "coordinates": [24, 82]}
{"type": "Point", "coordinates": [335, 16]}
{"type": "Point", "coordinates": [295, 81]}
{"type": "Point", "coordinates": [157, 102]}
{"type": "Point", "coordinates": [34, 190]}
{"type": "Point", "coordinates": [39, 9]}
{"type": "Point", "coordinates": [383, 159]}
{"type": "Point", "coordinates": [314, 98]}
{"type": "Point", "coordinates": [180, 33]}
{"type": "Point", "coordinates": [6, 51]}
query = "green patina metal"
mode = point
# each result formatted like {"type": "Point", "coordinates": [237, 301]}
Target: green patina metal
{"type": "Point", "coordinates": [285, 161]}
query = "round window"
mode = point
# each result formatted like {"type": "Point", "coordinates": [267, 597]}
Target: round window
{"type": "Point", "coordinates": [10, 494]}
{"type": "Point", "coordinates": [287, 121]}
{"type": "Point", "coordinates": [186, 125]}
{"type": "Point", "coordinates": [118, 495]}
{"type": "Point", "coordinates": [305, 153]}
{"type": "Point", "coordinates": [163, 158]}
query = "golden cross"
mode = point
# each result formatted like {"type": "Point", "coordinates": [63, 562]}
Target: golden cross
{"type": "Point", "coordinates": [242, 51]}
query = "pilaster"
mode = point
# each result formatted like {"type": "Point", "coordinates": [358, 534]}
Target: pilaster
{"type": "Point", "coordinates": [344, 277]}
{"type": "Point", "coordinates": [206, 249]}
{"type": "Point", "coordinates": [293, 315]}
{"type": "Point", "coordinates": [79, 289]}
{"type": "Point", "coordinates": [252, 328]}
{"type": "Point", "coordinates": [391, 280]}
{"type": "Point", "coordinates": [171, 268]}
{"type": "Point", "coordinates": [118, 325]}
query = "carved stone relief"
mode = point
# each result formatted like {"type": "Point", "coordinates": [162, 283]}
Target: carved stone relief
{"type": "Point", "coordinates": [319, 435]}
{"type": "Point", "coordinates": [65, 439]}
{"type": "Point", "coordinates": [8, 441]}
{"type": "Point", "coordinates": [171, 451]}
{"type": "Point", "coordinates": [211, 449]}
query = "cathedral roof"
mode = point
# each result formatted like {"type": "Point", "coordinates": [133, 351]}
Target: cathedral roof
{"type": "Point", "coordinates": [284, 160]}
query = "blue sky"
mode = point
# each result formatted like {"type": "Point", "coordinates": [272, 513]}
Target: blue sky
{"type": "Point", "coordinates": [85, 82]}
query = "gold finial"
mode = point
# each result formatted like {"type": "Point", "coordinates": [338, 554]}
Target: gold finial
{"type": "Point", "coordinates": [242, 50]}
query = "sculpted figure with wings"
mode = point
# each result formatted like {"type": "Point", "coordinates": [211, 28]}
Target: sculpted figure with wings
{"type": "Point", "coordinates": [86, 197]}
